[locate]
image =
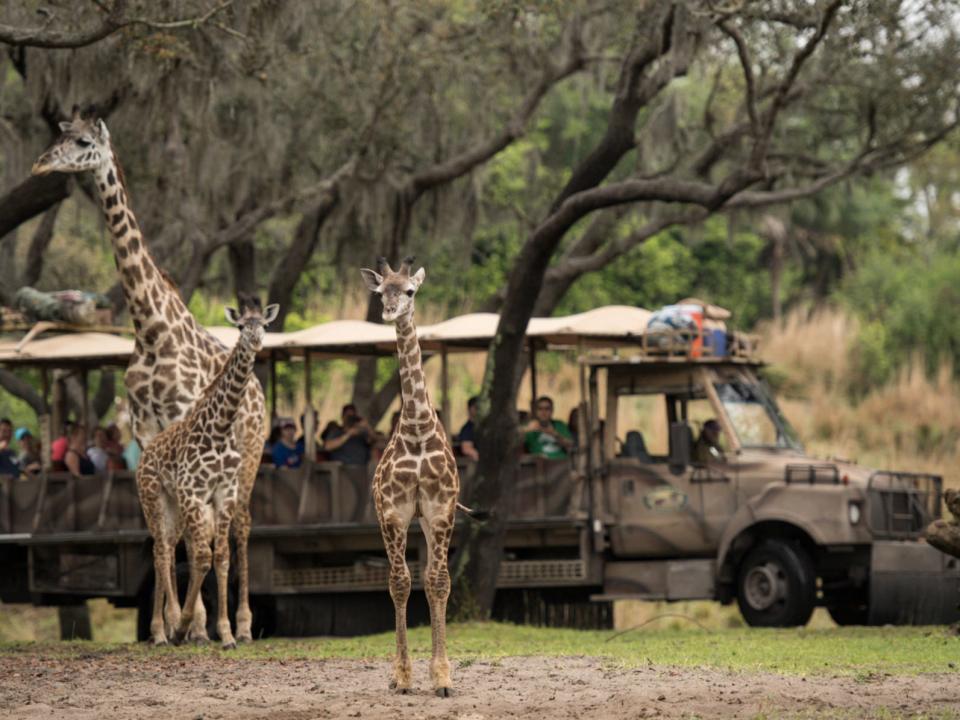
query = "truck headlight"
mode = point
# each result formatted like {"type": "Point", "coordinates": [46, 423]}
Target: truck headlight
{"type": "Point", "coordinates": [853, 512]}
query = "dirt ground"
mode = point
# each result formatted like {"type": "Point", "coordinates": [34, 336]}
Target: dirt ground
{"type": "Point", "coordinates": [110, 687]}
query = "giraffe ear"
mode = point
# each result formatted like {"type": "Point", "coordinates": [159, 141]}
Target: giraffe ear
{"type": "Point", "coordinates": [373, 280]}
{"type": "Point", "coordinates": [233, 317]}
{"type": "Point", "coordinates": [418, 277]}
{"type": "Point", "coordinates": [270, 313]}
{"type": "Point", "coordinates": [65, 126]}
{"type": "Point", "coordinates": [102, 130]}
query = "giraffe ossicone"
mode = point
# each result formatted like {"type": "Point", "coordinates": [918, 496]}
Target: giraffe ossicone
{"type": "Point", "coordinates": [416, 476]}
{"type": "Point", "coordinates": [174, 357]}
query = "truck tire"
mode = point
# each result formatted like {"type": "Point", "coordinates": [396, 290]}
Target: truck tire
{"type": "Point", "coordinates": [776, 585]}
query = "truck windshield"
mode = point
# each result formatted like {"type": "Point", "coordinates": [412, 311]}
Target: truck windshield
{"type": "Point", "coordinates": [755, 416]}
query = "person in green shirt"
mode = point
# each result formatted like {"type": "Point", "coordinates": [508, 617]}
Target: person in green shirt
{"type": "Point", "coordinates": [545, 436]}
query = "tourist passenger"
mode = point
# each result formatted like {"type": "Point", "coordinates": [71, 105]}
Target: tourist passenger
{"type": "Point", "coordinates": [467, 437]}
{"type": "Point", "coordinates": [75, 459]}
{"type": "Point", "coordinates": [350, 441]}
{"type": "Point", "coordinates": [707, 448]}
{"type": "Point", "coordinates": [6, 433]}
{"type": "Point", "coordinates": [545, 436]}
{"type": "Point", "coordinates": [8, 460]}
{"type": "Point", "coordinates": [114, 448]}
{"type": "Point", "coordinates": [29, 459]}
{"type": "Point", "coordinates": [97, 452]}
{"type": "Point", "coordinates": [58, 448]}
{"type": "Point", "coordinates": [286, 453]}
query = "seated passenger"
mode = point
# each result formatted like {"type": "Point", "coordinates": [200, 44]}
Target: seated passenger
{"type": "Point", "coordinates": [707, 448]}
{"type": "Point", "coordinates": [29, 459]}
{"type": "Point", "coordinates": [58, 448]}
{"type": "Point", "coordinates": [545, 436]}
{"type": "Point", "coordinates": [468, 445]}
{"type": "Point", "coordinates": [114, 447]}
{"type": "Point", "coordinates": [75, 459]}
{"type": "Point", "coordinates": [286, 452]}
{"type": "Point", "coordinates": [97, 452]}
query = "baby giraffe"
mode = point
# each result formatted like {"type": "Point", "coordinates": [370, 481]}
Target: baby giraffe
{"type": "Point", "coordinates": [417, 475]}
{"type": "Point", "coordinates": [188, 484]}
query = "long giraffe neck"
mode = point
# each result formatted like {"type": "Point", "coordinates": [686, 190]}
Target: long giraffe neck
{"type": "Point", "coordinates": [219, 405]}
{"type": "Point", "coordinates": [151, 299]}
{"type": "Point", "coordinates": [413, 387]}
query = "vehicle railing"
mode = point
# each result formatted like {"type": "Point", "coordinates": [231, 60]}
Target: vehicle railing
{"type": "Point", "coordinates": [699, 343]}
{"type": "Point", "coordinates": [58, 502]}
{"type": "Point", "coordinates": [901, 505]}
{"type": "Point", "coordinates": [811, 474]}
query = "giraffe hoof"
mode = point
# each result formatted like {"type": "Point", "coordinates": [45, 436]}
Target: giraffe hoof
{"type": "Point", "coordinates": [158, 642]}
{"type": "Point", "coordinates": [242, 639]}
{"type": "Point", "coordinates": [177, 639]}
{"type": "Point", "coordinates": [232, 645]}
{"type": "Point", "coordinates": [444, 692]}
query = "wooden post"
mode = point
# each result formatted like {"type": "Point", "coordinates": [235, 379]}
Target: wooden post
{"type": "Point", "coordinates": [532, 349]}
{"type": "Point", "coordinates": [273, 386]}
{"type": "Point", "coordinates": [309, 416]}
{"type": "Point", "coordinates": [445, 389]}
{"type": "Point", "coordinates": [46, 422]}
{"type": "Point", "coordinates": [85, 408]}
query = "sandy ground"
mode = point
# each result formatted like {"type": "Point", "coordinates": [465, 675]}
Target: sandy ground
{"type": "Point", "coordinates": [113, 686]}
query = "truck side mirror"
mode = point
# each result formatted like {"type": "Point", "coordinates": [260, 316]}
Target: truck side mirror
{"type": "Point", "coordinates": [681, 446]}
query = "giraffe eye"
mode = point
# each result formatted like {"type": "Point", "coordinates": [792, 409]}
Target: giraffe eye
{"type": "Point", "coordinates": [84, 143]}
{"type": "Point", "coordinates": [409, 293]}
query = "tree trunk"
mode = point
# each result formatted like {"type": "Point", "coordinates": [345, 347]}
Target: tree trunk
{"type": "Point", "coordinates": [243, 266]}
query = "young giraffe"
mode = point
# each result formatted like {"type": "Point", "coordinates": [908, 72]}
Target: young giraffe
{"type": "Point", "coordinates": [174, 358]}
{"type": "Point", "coordinates": [187, 482]}
{"type": "Point", "coordinates": [417, 475]}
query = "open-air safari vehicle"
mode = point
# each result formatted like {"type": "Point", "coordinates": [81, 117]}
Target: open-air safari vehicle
{"type": "Point", "coordinates": [629, 516]}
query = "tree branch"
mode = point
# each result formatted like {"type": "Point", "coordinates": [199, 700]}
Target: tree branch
{"type": "Point", "coordinates": [515, 128]}
{"type": "Point", "coordinates": [23, 390]}
{"type": "Point", "coordinates": [114, 21]}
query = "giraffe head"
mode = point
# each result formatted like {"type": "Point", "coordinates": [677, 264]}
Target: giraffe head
{"type": "Point", "coordinates": [395, 288]}
{"type": "Point", "coordinates": [84, 144]}
{"type": "Point", "coordinates": [251, 320]}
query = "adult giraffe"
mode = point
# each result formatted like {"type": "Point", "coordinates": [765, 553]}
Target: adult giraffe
{"type": "Point", "coordinates": [174, 357]}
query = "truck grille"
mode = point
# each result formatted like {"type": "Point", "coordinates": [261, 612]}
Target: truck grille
{"type": "Point", "coordinates": [901, 505]}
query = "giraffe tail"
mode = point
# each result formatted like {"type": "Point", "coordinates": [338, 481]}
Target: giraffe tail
{"type": "Point", "coordinates": [475, 514]}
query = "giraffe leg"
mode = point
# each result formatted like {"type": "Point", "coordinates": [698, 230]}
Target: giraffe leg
{"type": "Point", "coordinates": [152, 510]}
{"type": "Point", "coordinates": [221, 560]}
{"type": "Point", "coordinates": [198, 549]}
{"type": "Point", "coordinates": [437, 527]}
{"type": "Point", "coordinates": [393, 527]}
{"type": "Point", "coordinates": [198, 625]}
{"type": "Point", "coordinates": [241, 530]}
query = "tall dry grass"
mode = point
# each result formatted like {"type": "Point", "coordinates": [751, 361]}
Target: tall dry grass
{"type": "Point", "coordinates": [909, 424]}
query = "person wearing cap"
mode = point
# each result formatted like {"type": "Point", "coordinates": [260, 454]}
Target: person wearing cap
{"type": "Point", "coordinates": [285, 452]}
{"type": "Point", "coordinates": [707, 448]}
{"type": "Point", "coordinates": [29, 459]}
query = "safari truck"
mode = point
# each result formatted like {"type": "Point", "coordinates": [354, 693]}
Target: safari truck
{"type": "Point", "coordinates": [757, 520]}
{"type": "Point", "coordinates": [632, 514]}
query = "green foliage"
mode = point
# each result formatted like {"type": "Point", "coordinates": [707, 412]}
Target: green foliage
{"type": "Point", "coordinates": [907, 304]}
{"type": "Point", "coordinates": [708, 262]}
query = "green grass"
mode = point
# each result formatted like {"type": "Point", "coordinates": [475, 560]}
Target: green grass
{"type": "Point", "coordinates": [863, 653]}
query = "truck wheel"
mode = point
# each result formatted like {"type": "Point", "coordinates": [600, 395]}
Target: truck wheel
{"type": "Point", "coordinates": [776, 585]}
